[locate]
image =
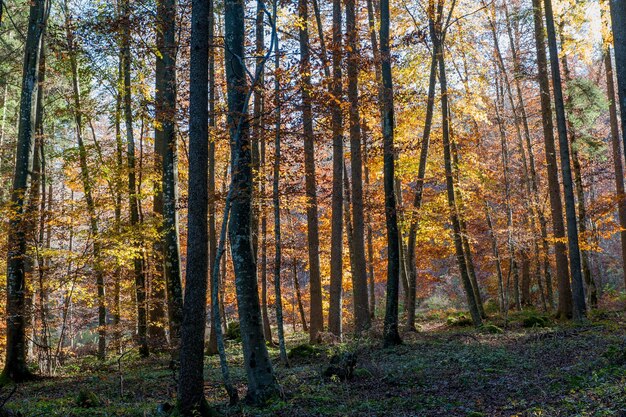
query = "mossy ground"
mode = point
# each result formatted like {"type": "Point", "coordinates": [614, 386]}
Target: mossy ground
{"type": "Point", "coordinates": [556, 370]}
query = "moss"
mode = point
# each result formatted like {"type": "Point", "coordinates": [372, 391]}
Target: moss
{"type": "Point", "coordinates": [461, 319]}
{"type": "Point", "coordinates": [87, 399]}
{"type": "Point", "coordinates": [304, 351]}
{"type": "Point", "coordinates": [491, 329]}
{"type": "Point", "coordinates": [534, 320]}
{"type": "Point", "coordinates": [233, 331]}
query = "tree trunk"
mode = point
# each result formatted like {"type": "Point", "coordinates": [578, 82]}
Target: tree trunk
{"type": "Point", "coordinates": [578, 292]}
{"type": "Point", "coordinates": [212, 348]}
{"type": "Point", "coordinates": [617, 154]}
{"type": "Point", "coordinates": [191, 400]}
{"type": "Point", "coordinates": [296, 284]}
{"type": "Point", "coordinates": [87, 183]}
{"type": "Point", "coordinates": [371, 279]}
{"type": "Point", "coordinates": [276, 200]}
{"type": "Point", "coordinates": [419, 189]}
{"type": "Point", "coordinates": [336, 248]}
{"type": "Point", "coordinates": [261, 381]}
{"type": "Point", "coordinates": [618, 20]}
{"type": "Point", "coordinates": [391, 334]}
{"type": "Point", "coordinates": [452, 206]}
{"type": "Point", "coordinates": [165, 135]}
{"type": "Point", "coordinates": [556, 206]}
{"type": "Point", "coordinates": [316, 312]}
{"type": "Point", "coordinates": [359, 273]}
{"type": "Point", "coordinates": [133, 200]}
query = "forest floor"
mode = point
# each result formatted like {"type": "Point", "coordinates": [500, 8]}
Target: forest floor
{"type": "Point", "coordinates": [445, 369]}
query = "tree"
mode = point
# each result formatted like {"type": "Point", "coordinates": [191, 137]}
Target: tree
{"type": "Point", "coordinates": [578, 293]}
{"type": "Point", "coordinates": [359, 274]}
{"type": "Point", "coordinates": [439, 38]}
{"type": "Point", "coordinates": [316, 322]}
{"type": "Point", "coordinates": [15, 368]}
{"type": "Point", "coordinates": [391, 335]}
{"type": "Point", "coordinates": [261, 382]}
{"type": "Point", "coordinates": [191, 399]}
{"type": "Point", "coordinates": [87, 181]}
{"type": "Point", "coordinates": [556, 206]}
{"type": "Point", "coordinates": [335, 324]}
{"type": "Point", "coordinates": [618, 20]}
{"type": "Point", "coordinates": [165, 137]}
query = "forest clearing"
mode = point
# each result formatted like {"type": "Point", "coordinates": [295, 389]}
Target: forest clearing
{"type": "Point", "coordinates": [312, 208]}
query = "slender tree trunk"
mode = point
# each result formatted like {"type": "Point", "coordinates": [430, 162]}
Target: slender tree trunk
{"type": "Point", "coordinates": [617, 153]}
{"type": "Point", "coordinates": [391, 334]}
{"type": "Point", "coordinates": [419, 190]}
{"type": "Point", "coordinates": [276, 200]}
{"type": "Point", "coordinates": [578, 292]}
{"type": "Point", "coordinates": [452, 205]}
{"type": "Point", "coordinates": [87, 183]}
{"type": "Point", "coordinates": [138, 270]}
{"type": "Point", "coordinates": [496, 256]}
{"type": "Point", "coordinates": [317, 317]}
{"type": "Point", "coordinates": [191, 398]}
{"type": "Point", "coordinates": [618, 20]}
{"type": "Point", "coordinates": [532, 171]}
{"type": "Point", "coordinates": [165, 135]}
{"type": "Point", "coordinates": [296, 284]}
{"type": "Point", "coordinates": [556, 206]}
{"type": "Point", "coordinates": [371, 278]}
{"type": "Point", "coordinates": [580, 193]}
{"type": "Point", "coordinates": [336, 249]}
{"type": "Point", "coordinates": [212, 345]}
{"type": "Point", "coordinates": [116, 310]}
{"type": "Point", "coordinates": [261, 381]}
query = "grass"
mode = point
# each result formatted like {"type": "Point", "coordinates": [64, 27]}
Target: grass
{"type": "Point", "coordinates": [557, 369]}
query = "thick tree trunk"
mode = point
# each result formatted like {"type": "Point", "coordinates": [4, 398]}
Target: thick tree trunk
{"type": "Point", "coordinates": [191, 398]}
{"type": "Point", "coordinates": [316, 313]}
{"type": "Point", "coordinates": [336, 249]}
{"type": "Point", "coordinates": [261, 381]}
{"type": "Point", "coordinates": [578, 292]}
{"type": "Point", "coordinates": [359, 272]}
{"type": "Point", "coordinates": [391, 334]}
{"type": "Point", "coordinates": [165, 136]}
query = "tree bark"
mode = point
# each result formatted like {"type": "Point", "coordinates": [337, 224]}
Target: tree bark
{"type": "Point", "coordinates": [452, 205]}
{"type": "Point", "coordinates": [191, 400]}
{"type": "Point", "coordinates": [578, 292]}
{"type": "Point", "coordinates": [556, 206]}
{"type": "Point", "coordinates": [261, 381]}
{"type": "Point", "coordinates": [391, 334]}
{"type": "Point", "coordinates": [316, 312]}
{"type": "Point", "coordinates": [138, 270]}
{"type": "Point", "coordinates": [617, 153]}
{"type": "Point", "coordinates": [335, 325]}
{"type": "Point", "coordinates": [359, 272]}
{"type": "Point", "coordinates": [165, 135]}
